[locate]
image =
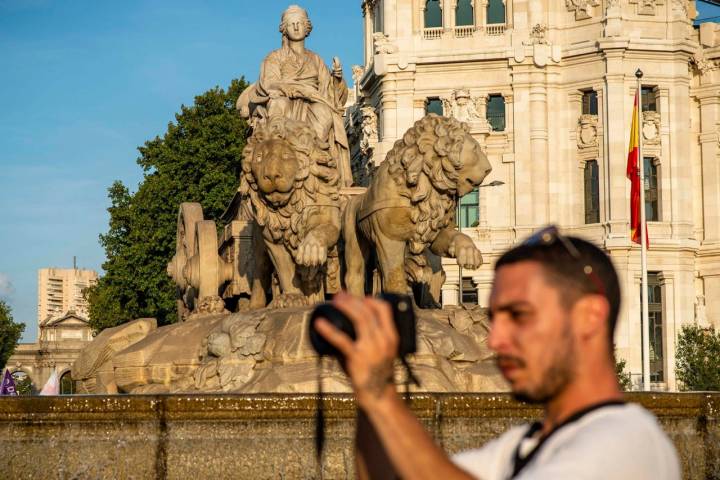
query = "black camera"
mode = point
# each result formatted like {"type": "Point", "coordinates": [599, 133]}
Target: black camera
{"type": "Point", "coordinates": [403, 316]}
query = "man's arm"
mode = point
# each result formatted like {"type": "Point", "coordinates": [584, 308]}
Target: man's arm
{"type": "Point", "coordinates": [384, 416]}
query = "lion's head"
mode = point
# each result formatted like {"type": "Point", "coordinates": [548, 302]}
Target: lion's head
{"type": "Point", "coordinates": [438, 161]}
{"type": "Point", "coordinates": [286, 167]}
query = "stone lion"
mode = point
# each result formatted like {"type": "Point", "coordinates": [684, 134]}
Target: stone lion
{"type": "Point", "coordinates": [409, 207]}
{"type": "Point", "coordinates": [289, 186]}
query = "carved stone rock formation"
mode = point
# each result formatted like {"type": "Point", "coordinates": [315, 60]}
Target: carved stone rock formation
{"type": "Point", "coordinates": [93, 370]}
{"type": "Point", "coordinates": [269, 351]}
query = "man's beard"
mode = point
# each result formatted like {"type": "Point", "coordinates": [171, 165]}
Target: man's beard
{"type": "Point", "coordinates": [556, 377]}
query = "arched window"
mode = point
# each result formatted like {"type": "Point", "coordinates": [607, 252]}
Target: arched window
{"type": "Point", "coordinates": [496, 11]}
{"type": "Point", "coordinates": [464, 13]}
{"type": "Point", "coordinates": [67, 386]}
{"type": "Point", "coordinates": [592, 192]}
{"type": "Point", "coordinates": [433, 14]}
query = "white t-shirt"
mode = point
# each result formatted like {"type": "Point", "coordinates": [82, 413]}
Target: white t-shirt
{"type": "Point", "coordinates": [612, 442]}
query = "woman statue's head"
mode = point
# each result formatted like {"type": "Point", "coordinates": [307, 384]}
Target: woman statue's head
{"type": "Point", "coordinates": [295, 24]}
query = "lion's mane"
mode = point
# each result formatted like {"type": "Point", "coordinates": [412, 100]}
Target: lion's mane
{"type": "Point", "coordinates": [316, 182]}
{"type": "Point", "coordinates": [427, 160]}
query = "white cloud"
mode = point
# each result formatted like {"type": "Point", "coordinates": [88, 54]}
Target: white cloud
{"type": "Point", "coordinates": [6, 286]}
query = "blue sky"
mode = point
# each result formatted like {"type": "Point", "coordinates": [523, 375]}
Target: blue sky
{"type": "Point", "coordinates": [83, 83]}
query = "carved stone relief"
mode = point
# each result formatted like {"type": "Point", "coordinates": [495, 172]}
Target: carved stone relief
{"type": "Point", "coordinates": [587, 131]}
{"type": "Point", "coordinates": [651, 128]}
{"type": "Point", "coordinates": [383, 44]}
{"type": "Point", "coordinates": [701, 64]}
{"type": "Point", "coordinates": [583, 8]}
{"type": "Point", "coordinates": [368, 130]}
{"type": "Point", "coordinates": [647, 7]}
{"type": "Point", "coordinates": [462, 106]}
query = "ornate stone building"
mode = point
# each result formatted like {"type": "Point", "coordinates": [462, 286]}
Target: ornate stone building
{"type": "Point", "coordinates": [547, 87]}
{"type": "Point", "coordinates": [60, 341]}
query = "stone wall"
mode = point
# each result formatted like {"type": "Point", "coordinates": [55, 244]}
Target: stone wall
{"type": "Point", "coordinates": [240, 436]}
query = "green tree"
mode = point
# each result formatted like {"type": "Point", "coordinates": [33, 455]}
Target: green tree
{"type": "Point", "coordinates": [697, 359]}
{"type": "Point", "coordinates": [10, 332]}
{"type": "Point", "coordinates": [623, 377]}
{"type": "Point", "coordinates": [23, 385]}
{"type": "Point", "coordinates": [196, 160]}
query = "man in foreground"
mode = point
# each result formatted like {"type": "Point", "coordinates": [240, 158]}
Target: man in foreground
{"type": "Point", "coordinates": [553, 309]}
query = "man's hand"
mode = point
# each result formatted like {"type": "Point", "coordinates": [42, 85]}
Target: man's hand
{"type": "Point", "coordinates": [369, 359]}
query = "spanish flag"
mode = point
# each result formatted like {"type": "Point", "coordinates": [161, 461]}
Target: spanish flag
{"type": "Point", "coordinates": [633, 174]}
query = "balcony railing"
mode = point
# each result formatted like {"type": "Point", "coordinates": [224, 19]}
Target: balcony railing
{"type": "Point", "coordinates": [432, 33]}
{"type": "Point", "coordinates": [495, 29]}
{"type": "Point", "coordinates": [464, 31]}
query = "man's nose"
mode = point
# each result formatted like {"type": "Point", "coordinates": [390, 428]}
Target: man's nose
{"type": "Point", "coordinates": [497, 339]}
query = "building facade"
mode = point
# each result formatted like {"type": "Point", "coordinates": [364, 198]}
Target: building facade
{"type": "Point", "coordinates": [60, 290]}
{"type": "Point", "coordinates": [547, 88]}
{"type": "Point", "coordinates": [60, 341]}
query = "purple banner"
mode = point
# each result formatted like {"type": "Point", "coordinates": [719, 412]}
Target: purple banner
{"type": "Point", "coordinates": [8, 384]}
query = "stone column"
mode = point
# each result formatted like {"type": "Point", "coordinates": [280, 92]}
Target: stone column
{"type": "Point", "coordinates": [522, 185]}
{"type": "Point", "coordinates": [450, 292]}
{"type": "Point", "coordinates": [367, 17]}
{"type": "Point", "coordinates": [539, 147]}
{"type": "Point", "coordinates": [574, 188]}
{"type": "Point", "coordinates": [389, 18]}
{"type": "Point", "coordinates": [667, 286]}
{"type": "Point", "coordinates": [618, 107]}
{"type": "Point", "coordinates": [709, 116]}
{"type": "Point", "coordinates": [483, 283]}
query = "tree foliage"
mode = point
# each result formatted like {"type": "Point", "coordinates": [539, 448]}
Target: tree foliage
{"type": "Point", "coordinates": [196, 160]}
{"type": "Point", "coordinates": [10, 332]}
{"type": "Point", "coordinates": [697, 359]}
{"type": "Point", "coordinates": [623, 377]}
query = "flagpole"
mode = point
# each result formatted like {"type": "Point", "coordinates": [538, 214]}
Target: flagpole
{"type": "Point", "coordinates": [643, 246]}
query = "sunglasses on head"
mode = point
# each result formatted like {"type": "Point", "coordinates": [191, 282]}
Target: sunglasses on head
{"type": "Point", "coordinates": [551, 235]}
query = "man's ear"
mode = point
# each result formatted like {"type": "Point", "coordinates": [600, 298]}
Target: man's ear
{"type": "Point", "coordinates": [591, 313]}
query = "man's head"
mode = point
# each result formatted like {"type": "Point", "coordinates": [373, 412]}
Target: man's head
{"type": "Point", "coordinates": [295, 23]}
{"type": "Point", "coordinates": [553, 309]}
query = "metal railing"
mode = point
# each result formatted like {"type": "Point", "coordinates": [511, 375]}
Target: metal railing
{"type": "Point", "coordinates": [495, 29]}
{"type": "Point", "coordinates": [464, 31]}
{"type": "Point", "coordinates": [432, 33]}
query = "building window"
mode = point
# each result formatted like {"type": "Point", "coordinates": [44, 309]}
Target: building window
{"type": "Point", "coordinates": [67, 386]}
{"type": "Point", "coordinates": [496, 11]}
{"type": "Point", "coordinates": [469, 291]}
{"type": "Point", "coordinates": [589, 102]}
{"type": "Point", "coordinates": [655, 325]}
{"type": "Point", "coordinates": [649, 103]}
{"type": "Point", "coordinates": [433, 14]}
{"type": "Point", "coordinates": [469, 210]}
{"type": "Point", "coordinates": [496, 112]}
{"type": "Point", "coordinates": [433, 105]}
{"type": "Point", "coordinates": [464, 13]}
{"type": "Point", "coordinates": [652, 194]}
{"type": "Point", "coordinates": [592, 192]}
